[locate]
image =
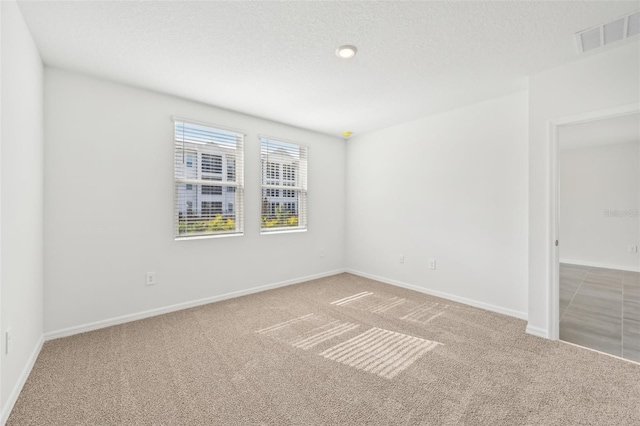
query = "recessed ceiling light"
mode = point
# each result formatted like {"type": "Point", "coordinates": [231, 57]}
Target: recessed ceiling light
{"type": "Point", "coordinates": [346, 134]}
{"type": "Point", "coordinates": [346, 51]}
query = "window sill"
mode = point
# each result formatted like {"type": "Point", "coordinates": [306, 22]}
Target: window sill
{"type": "Point", "coordinates": [283, 231]}
{"type": "Point", "coordinates": [206, 237]}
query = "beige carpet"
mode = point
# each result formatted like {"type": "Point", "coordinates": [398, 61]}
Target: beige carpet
{"type": "Point", "coordinates": [342, 350]}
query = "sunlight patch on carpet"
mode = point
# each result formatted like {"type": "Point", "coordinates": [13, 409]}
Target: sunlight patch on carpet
{"type": "Point", "coordinates": [308, 331]}
{"type": "Point", "coordinates": [382, 352]}
{"type": "Point", "coordinates": [396, 307]}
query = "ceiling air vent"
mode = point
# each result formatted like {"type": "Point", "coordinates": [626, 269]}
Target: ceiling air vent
{"type": "Point", "coordinates": [611, 32]}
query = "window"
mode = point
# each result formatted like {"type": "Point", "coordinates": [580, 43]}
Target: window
{"type": "Point", "coordinates": [203, 154]}
{"type": "Point", "coordinates": [291, 207]}
{"type": "Point", "coordinates": [211, 209]}
{"type": "Point", "coordinates": [211, 163]}
{"type": "Point", "coordinates": [231, 169]}
{"type": "Point", "coordinates": [288, 173]}
{"type": "Point", "coordinates": [191, 159]}
{"type": "Point", "coordinates": [284, 175]}
{"type": "Point", "coordinates": [273, 170]}
{"type": "Point", "coordinates": [211, 190]}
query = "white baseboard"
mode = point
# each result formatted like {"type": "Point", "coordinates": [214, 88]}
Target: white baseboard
{"type": "Point", "coordinates": [13, 397]}
{"type": "Point", "coordinates": [466, 301]}
{"type": "Point", "coordinates": [601, 265]}
{"type": "Point", "coordinates": [56, 334]}
{"type": "Point", "coordinates": [537, 331]}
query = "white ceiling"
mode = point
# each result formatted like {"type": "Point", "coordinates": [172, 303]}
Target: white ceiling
{"type": "Point", "coordinates": [276, 59]}
{"type": "Point", "coordinates": [622, 129]}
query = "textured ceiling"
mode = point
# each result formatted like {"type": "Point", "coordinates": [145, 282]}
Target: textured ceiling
{"type": "Point", "coordinates": [622, 129]}
{"type": "Point", "coordinates": [276, 59]}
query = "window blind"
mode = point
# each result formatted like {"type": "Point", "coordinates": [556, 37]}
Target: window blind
{"type": "Point", "coordinates": [284, 185]}
{"type": "Point", "coordinates": [208, 175]}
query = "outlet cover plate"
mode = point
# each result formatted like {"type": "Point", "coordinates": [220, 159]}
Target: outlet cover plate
{"type": "Point", "coordinates": [151, 278]}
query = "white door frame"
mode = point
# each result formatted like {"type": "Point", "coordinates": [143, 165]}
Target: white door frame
{"type": "Point", "coordinates": [554, 179]}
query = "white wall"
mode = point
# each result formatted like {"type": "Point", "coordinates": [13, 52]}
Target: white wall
{"type": "Point", "coordinates": [452, 187]}
{"type": "Point", "coordinates": [109, 206]}
{"type": "Point", "coordinates": [593, 180]}
{"type": "Point", "coordinates": [606, 80]}
{"type": "Point", "coordinates": [22, 209]}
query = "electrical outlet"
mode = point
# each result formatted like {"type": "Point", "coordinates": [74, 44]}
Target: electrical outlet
{"type": "Point", "coordinates": [432, 264]}
{"type": "Point", "coordinates": [401, 258]}
{"type": "Point", "coordinates": [633, 248]}
{"type": "Point", "coordinates": [151, 278]}
{"type": "Point", "coordinates": [321, 252]}
{"type": "Point", "coordinates": [8, 341]}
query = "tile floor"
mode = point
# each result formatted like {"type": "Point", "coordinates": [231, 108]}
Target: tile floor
{"type": "Point", "coordinates": [600, 309]}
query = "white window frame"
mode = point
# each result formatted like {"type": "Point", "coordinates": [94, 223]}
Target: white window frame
{"type": "Point", "coordinates": [299, 185]}
{"type": "Point", "coordinates": [181, 146]}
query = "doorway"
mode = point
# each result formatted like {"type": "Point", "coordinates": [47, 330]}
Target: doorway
{"type": "Point", "coordinates": [598, 225]}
